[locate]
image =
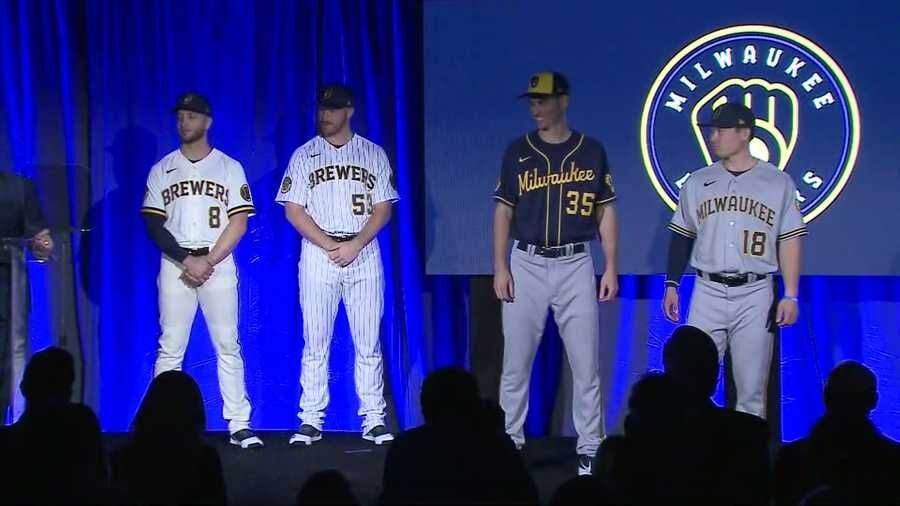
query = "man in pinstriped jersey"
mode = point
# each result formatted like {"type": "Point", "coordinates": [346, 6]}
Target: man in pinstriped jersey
{"type": "Point", "coordinates": [554, 195]}
{"type": "Point", "coordinates": [337, 192]}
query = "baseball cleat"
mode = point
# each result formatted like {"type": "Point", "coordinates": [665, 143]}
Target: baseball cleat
{"type": "Point", "coordinates": [245, 438]}
{"type": "Point", "coordinates": [307, 435]}
{"type": "Point", "coordinates": [378, 435]}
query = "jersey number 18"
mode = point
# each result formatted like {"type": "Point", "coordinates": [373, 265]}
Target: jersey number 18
{"type": "Point", "coordinates": [754, 243]}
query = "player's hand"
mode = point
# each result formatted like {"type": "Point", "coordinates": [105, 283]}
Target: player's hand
{"type": "Point", "coordinates": [345, 253]}
{"type": "Point", "coordinates": [670, 304]}
{"type": "Point", "coordinates": [609, 286]}
{"type": "Point", "coordinates": [190, 280]}
{"type": "Point", "coordinates": [788, 311]}
{"type": "Point", "coordinates": [198, 268]}
{"type": "Point", "coordinates": [42, 245]}
{"type": "Point", "coordinates": [503, 286]}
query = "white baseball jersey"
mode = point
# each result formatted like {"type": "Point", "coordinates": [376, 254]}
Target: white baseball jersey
{"type": "Point", "coordinates": [738, 220]}
{"type": "Point", "coordinates": [197, 199]}
{"type": "Point", "coordinates": [338, 186]}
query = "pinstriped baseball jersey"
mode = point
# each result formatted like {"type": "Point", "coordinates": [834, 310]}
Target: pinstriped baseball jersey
{"type": "Point", "coordinates": [197, 199]}
{"type": "Point", "coordinates": [338, 185]}
{"type": "Point", "coordinates": [738, 220]}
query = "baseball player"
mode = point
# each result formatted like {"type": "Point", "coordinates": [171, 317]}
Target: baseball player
{"type": "Point", "coordinates": [737, 221]}
{"type": "Point", "coordinates": [337, 193]}
{"type": "Point", "coordinates": [554, 194]}
{"type": "Point", "coordinates": [196, 209]}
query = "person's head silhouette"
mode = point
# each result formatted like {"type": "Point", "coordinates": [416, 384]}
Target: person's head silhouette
{"type": "Point", "coordinates": [690, 358]}
{"type": "Point", "coordinates": [48, 378]}
{"type": "Point", "coordinates": [851, 390]}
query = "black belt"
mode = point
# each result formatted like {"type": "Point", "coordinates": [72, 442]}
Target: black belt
{"type": "Point", "coordinates": [552, 251]}
{"type": "Point", "coordinates": [199, 252]}
{"type": "Point", "coordinates": [342, 238]}
{"type": "Point", "coordinates": [732, 279]}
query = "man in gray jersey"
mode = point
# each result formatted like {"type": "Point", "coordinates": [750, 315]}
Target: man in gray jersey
{"type": "Point", "coordinates": [738, 222]}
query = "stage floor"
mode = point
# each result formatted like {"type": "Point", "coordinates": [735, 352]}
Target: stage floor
{"type": "Point", "coordinates": [274, 474]}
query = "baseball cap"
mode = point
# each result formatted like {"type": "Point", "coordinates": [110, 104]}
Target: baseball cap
{"type": "Point", "coordinates": [546, 84]}
{"type": "Point", "coordinates": [731, 115]}
{"type": "Point", "coordinates": [193, 102]}
{"type": "Point", "coordinates": [334, 96]}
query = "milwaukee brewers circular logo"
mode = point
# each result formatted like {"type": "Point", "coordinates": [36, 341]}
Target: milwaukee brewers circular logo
{"type": "Point", "coordinates": [807, 118]}
{"type": "Point", "coordinates": [286, 184]}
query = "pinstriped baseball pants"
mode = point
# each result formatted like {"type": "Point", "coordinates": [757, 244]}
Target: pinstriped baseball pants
{"type": "Point", "coordinates": [323, 284]}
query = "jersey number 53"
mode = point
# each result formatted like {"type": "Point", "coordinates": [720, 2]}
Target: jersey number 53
{"type": "Point", "coordinates": [362, 204]}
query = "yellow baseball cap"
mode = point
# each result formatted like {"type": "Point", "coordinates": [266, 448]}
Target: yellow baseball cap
{"type": "Point", "coordinates": [546, 84]}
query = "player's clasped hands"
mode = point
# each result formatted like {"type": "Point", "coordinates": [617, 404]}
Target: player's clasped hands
{"type": "Point", "coordinates": [344, 253]}
{"type": "Point", "coordinates": [197, 271]}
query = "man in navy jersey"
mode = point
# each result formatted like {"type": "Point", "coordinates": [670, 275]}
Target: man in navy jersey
{"type": "Point", "coordinates": [554, 195]}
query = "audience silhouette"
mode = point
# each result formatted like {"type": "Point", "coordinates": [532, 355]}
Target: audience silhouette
{"type": "Point", "coordinates": [461, 455]}
{"type": "Point", "coordinates": [844, 458]}
{"type": "Point", "coordinates": [54, 451]}
{"type": "Point", "coordinates": [166, 461]}
{"type": "Point", "coordinates": [678, 446]}
{"type": "Point", "coordinates": [326, 487]}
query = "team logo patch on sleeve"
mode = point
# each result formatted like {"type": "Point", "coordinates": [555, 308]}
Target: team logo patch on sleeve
{"type": "Point", "coordinates": [245, 193]}
{"type": "Point", "coordinates": [498, 184]}
{"type": "Point", "coordinates": [609, 182]}
{"type": "Point", "coordinates": [286, 185]}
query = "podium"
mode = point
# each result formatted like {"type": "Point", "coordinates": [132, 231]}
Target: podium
{"type": "Point", "coordinates": [19, 292]}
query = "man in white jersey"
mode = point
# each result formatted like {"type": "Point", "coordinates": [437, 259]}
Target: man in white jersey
{"type": "Point", "coordinates": [738, 222]}
{"type": "Point", "coordinates": [337, 193]}
{"type": "Point", "coordinates": [196, 209]}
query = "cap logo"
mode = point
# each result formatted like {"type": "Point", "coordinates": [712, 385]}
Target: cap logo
{"type": "Point", "coordinates": [328, 93]}
{"type": "Point", "coordinates": [534, 81]}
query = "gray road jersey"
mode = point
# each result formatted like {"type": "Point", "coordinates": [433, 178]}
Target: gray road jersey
{"type": "Point", "coordinates": [738, 220]}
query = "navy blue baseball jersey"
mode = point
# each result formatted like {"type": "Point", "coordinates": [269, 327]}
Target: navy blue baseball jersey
{"type": "Point", "coordinates": [555, 189]}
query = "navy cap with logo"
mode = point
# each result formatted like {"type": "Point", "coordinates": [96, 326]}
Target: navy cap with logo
{"type": "Point", "coordinates": [193, 102]}
{"type": "Point", "coordinates": [731, 115]}
{"type": "Point", "coordinates": [546, 84]}
{"type": "Point", "coordinates": [334, 96]}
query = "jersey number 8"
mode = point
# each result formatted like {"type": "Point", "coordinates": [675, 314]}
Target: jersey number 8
{"type": "Point", "coordinates": [215, 217]}
{"type": "Point", "coordinates": [362, 204]}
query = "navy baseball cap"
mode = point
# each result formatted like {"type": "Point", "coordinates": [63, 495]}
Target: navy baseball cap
{"type": "Point", "coordinates": [334, 96]}
{"type": "Point", "coordinates": [546, 84]}
{"type": "Point", "coordinates": [731, 115]}
{"type": "Point", "coordinates": [194, 102]}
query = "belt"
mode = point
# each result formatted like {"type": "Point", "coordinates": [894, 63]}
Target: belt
{"type": "Point", "coordinates": [732, 279]}
{"type": "Point", "coordinates": [341, 237]}
{"type": "Point", "coordinates": [199, 252]}
{"type": "Point", "coordinates": [552, 251]}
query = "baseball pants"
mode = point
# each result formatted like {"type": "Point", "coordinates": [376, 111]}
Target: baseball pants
{"type": "Point", "coordinates": [323, 284]}
{"type": "Point", "coordinates": [737, 318]}
{"type": "Point", "coordinates": [568, 286]}
{"type": "Point", "coordinates": [218, 299]}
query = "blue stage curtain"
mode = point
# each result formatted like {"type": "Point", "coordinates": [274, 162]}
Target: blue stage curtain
{"type": "Point", "coordinates": [92, 84]}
